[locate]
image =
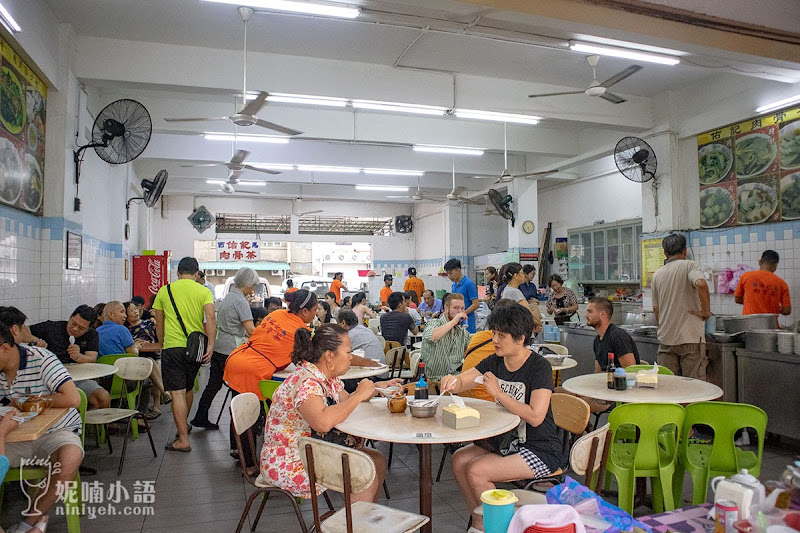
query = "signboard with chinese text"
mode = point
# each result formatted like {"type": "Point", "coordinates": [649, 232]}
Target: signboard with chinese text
{"type": "Point", "coordinates": [749, 173]}
{"type": "Point", "coordinates": [235, 250]}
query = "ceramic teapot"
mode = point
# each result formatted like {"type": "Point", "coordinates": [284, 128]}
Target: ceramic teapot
{"type": "Point", "coordinates": [397, 403]}
{"type": "Point", "coordinates": [746, 490]}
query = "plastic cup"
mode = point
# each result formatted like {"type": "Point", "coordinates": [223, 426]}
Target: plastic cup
{"type": "Point", "coordinates": [498, 510]}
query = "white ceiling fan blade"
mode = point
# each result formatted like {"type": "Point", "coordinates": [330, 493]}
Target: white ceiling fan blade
{"type": "Point", "coordinates": [204, 165]}
{"type": "Point", "coordinates": [613, 98]}
{"type": "Point", "coordinates": [277, 127]}
{"type": "Point", "coordinates": [483, 177]}
{"type": "Point", "coordinates": [633, 69]}
{"type": "Point", "coordinates": [195, 119]}
{"type": "Point", "coordinates": [254, 106]}
{"type": "Point", "coordinates": [239, 157]}
{"type": "Point", "coordinates": [309, 212]}
{"type": "Point", "coordinates": [554, 94]}
{"type": "Point", "coordinates": [264, 170]}
{"type": "Point", "coordinates": [532, 174]}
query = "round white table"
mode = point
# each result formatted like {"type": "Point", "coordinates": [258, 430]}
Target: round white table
{"type": "Point", "coordinates": [355, 372]}
{"type": "Point", "coordinates": [670, 389]}
{"type": "Point", "coordinates": [565, 364]}
{"type": "Point", "coordinates": [84, 371]}
{"type": "Point", "coordinates": [372, 420]}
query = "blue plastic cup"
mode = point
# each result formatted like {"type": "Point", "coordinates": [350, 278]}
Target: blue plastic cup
{"type": "Point", "coordinates": [498, 510]}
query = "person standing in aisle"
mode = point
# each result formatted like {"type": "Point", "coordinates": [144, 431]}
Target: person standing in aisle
{"type": "Point", "coordinates": [413, 283]}
{"type": "Point", "coordinates": [337, 286]}
{"type": "Point", "coordinates": [386, 291]}
{"type": "Point", "coordinates": [761, 291]}
{"type": "Point", "coordinates": [681, 303]}
{"type": "Point", "coordinates": [465, 287]}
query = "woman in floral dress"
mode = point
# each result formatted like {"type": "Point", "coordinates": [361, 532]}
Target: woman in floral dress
{"type": "Point", "coordinates": [313, 398]}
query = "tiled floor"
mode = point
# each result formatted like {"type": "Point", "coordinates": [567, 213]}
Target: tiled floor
{"type": "Point", "coordinates": [203, 491]}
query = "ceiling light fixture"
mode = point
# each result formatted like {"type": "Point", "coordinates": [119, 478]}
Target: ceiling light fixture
{"type": "Point", "coordinates": [623, 52]}
{"type": "Point", "coordinates": [381, 188]}
{"type": "Point", "coordinates": [392, 172]}
{"type": "Point", "coordinates": [245, 138]}
{"type": "Point", "coordinates": [456, 150]}
{"type": "Point", "coordinates": [8, 21]}
{"type": "Point", "coordinates": [327, 168]}
{"type": "Point", "coordinates": [496, 117]}
{"type": "Point", "coordinates": [779, 104]}
{"type": "Point", "coordinates": [215, 182]}
{"type": "Point", "coordinates": [399, 107]}
{"type": "Point", "coordinates": [308, 8]}
{"type": "Point", "coordinates": [304, 99]}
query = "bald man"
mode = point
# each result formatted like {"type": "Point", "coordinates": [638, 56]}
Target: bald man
{"type": "Point", "coordinates": [115, 338]}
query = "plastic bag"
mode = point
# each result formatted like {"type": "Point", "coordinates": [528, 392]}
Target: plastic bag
{"type": "Point", "coordinates": [740, 269]}
{"type": "Point", "coordinates": [723, 281]}
{"type": "Point", "coordinates": [594, 511]}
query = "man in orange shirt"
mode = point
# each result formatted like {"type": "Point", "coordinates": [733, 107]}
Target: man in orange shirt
{"type": "Point", "coordinates": [387, 289]}
{"type": "Point", "coordinates": [290, 288]}
{"type": "Point", "coordinates": [413, 283]}
{"type": "Point", "coordinates": [761, 291]}
{"type": "Point", "coordinates": [337, 286]}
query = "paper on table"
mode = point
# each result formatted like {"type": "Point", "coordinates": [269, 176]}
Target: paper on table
{"type": "Point", "coordinates": [458, 401]}
{"type": "Point", "coordinates": [479, 380]}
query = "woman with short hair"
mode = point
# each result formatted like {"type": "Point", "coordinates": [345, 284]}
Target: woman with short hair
{"type": "Point", "coordinates": [562, 301]}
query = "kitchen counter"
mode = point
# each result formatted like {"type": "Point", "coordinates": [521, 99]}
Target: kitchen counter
{"type": "Point", "coordinates": [770, 380]}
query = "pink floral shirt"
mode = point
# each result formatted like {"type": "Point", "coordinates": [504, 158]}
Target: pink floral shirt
{"type": "Point", "coordinates": [280, 456]}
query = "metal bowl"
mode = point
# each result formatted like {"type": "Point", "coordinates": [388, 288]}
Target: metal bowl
{"type": "Point", "coordinates": [751, 322]}
{"type": "Point", "coordinates": [422, 412]}
{"type": "Point", "coordinates": [555, 360]}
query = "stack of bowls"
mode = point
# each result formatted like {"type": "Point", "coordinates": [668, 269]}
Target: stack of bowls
{"type": "Point", "coordinates": [785, 342]}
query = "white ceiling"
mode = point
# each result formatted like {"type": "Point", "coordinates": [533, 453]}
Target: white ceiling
{"type": "Point", "coordinates": [482, 48]}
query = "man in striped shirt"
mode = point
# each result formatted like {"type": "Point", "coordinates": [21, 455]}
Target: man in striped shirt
{"type": "Point", "coordinates": [31, 370]}
{"type": "Point", "coordinates": [445, 339]}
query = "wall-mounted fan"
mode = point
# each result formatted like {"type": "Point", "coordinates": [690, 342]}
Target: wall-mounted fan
{"type": "Point", "coordinates": [502, 204]}
{"type": "Point", "coordinates": [151, 192]}
{"type": "Point", "coordinates": [247, 115]}
{"type": "Point", "coordinates": [599, 89]}
{"type": "Point", "coordinates": [120, 133]}
{"type": "Point", "coordinates": [201, 219]}
{"type": "Point", "coordinates": [506, 176]}
{"type": "Point", "coordinates": [636, 160]}
{"type": "Point", "coordinates": [403, 224]}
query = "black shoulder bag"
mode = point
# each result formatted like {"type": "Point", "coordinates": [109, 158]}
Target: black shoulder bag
{"type": "Point", "coordinates": [196, 341]}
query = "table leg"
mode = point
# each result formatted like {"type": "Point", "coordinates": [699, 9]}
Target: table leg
{"type": "Point", "coordinates": [425, 486]}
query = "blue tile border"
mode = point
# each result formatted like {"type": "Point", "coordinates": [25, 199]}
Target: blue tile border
{"type": "Point", "coordinates": [698, 237]}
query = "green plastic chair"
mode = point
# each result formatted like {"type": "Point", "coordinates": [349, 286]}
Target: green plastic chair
{"type": "Point", "coordinates": [721, 457]}
{"type": "Point", "coordinates": [268, 388]}
{"type": "Point", "coordinates": [73, 498]}
{"type": "Point", "coordinates": [116, 392]}
{"type": "Point", "coordinates": [632, 369]}
{"type": "Point", "coordinates": [653, 455]}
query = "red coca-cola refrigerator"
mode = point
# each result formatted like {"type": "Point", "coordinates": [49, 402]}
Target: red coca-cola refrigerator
{"type": "Point", "coordinates": [150, 273]}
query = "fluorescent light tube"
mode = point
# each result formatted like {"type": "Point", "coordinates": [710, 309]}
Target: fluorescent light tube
{"type": "Point", "coordinates": [497, 117]}
{"type": "Point", "coordinates": [779, 104]}
{"type": "Point", "coordinates": [326, 168]}
{"type": "Point", "coordinates": [447, 149]}
{"type": "Point", "coordinates": [296, 7]}
{"type": "Point", "coordinates": [215, 182]}
{"type": "Point", "coordinates": [624, 52]}
{"type": "Point", "coordinates": [245, 138]}
{"type": "Point", "coordinates": [381, 188]}
{"type": "Point", "coordinates": [393, 172]}
{"type": "Point", "coordinates": [304, 99]}
{"type": "Point", "coordinates": [8, 21]}
{"type": "Point", "coordinates": [399, 107]}
{"type": "Point", "coordinates": [253, 183]}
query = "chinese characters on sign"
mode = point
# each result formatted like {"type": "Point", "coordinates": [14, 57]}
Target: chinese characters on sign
{"type": "Point", "coordinates": [107, 499]}
{"type": "Point", "coordinates": [235, 250]}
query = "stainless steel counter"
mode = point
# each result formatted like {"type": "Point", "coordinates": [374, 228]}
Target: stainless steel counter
{"type": "Point", "coordinates": [771, 381]}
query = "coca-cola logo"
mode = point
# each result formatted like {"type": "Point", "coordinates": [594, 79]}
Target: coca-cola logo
{"type": "Point", "coordinates": [154, 269]}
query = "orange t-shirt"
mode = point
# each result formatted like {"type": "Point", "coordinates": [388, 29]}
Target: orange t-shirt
{"type": "Point", "coordinates": [385, 292]}
{"type": "Point", "coordinates": [268, 350]}
{"type": "Point", "coordinates": [763, 292]}
{"type": "Point", "coordinates": [476, 355]}
{"type": "Point", "coordinates": [416, 285]}
{"type": "Point", "coordinates": [336, 288]}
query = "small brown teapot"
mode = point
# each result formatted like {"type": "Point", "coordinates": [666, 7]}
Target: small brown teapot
{"type": "Point", "coordinates": [397, 403]}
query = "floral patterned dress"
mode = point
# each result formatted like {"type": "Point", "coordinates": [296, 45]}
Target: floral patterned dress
{"type": "Point", "coordinates": [280, 456]}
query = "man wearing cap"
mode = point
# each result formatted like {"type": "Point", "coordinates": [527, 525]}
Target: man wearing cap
{"type": "Point", "coordinates": [387, 289]}
{"type": "Point", "coordinates": [413, 283]}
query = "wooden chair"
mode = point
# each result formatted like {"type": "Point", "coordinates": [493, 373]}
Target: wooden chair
{"type": "Point", "coordinates": [245, 410]}
{"type": "Point", "coordinates": [129, 369]}
{"type": "Point", "coordinates": [351, 471]}
{"type": "Point", "coordinates": [390, 345]}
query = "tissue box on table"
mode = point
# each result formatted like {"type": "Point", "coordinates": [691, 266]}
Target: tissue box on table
{"type": "Point", "coordinates": [646, 379]}
{"type": "Point", "coordinates": [460, 417]}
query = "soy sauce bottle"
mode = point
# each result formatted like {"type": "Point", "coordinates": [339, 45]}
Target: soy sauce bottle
{"type": "Point", "coordinates": [421, 388]}
{"type": "Point", "coordinates": [610, 372]}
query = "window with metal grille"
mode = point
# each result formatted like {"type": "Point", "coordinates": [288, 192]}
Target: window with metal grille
{"type": "Point", "coordinates": [311, 224]}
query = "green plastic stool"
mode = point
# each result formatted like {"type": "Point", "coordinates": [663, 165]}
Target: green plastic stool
{"type": "Point", "coordinates": [268, 388]}
{"type": "Point", "coordinates": [651, 456]}
{"type": "Point", "coordinates": [721, 457]}
{"type": "Point", "coordinates": [661, 369]}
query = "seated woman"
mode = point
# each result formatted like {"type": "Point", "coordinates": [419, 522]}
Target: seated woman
{"type": "Point", "coordinates": [361, 309]}
{"type": "Point", "coordinates": [323, 315]}
{"type": "Point", "coordinates": [522, 382]}
{"type": "Point", "coordinates": [311, 402]}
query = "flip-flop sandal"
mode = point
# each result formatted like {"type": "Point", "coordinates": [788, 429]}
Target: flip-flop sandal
{"type": "Point", "coordinates": [171, 448]}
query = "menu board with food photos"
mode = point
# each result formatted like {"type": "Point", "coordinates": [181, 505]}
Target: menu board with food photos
{"type": "Point", "coordinates": [23, 102]}
{"type": "Point", "coordinates": [750, 172]}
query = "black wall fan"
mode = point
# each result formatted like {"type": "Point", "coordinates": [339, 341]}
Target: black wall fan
{"type": "Point", "coordinates": [636, 160]}
{"type": "Point", "coordinates": [502, 205]}
{"type": "Point", "coordinates": [152, 190]}
{"type": "Point", "coordinates": [120, 134]}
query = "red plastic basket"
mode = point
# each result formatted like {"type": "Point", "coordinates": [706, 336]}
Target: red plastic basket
{"type": "Point", "coordinates": [569, 528]}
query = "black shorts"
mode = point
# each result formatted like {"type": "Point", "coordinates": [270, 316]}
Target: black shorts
{"type": "Point", "coordinates": [177, 371]}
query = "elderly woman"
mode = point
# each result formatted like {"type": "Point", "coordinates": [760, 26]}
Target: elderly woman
{"type": "Point", "coordinates": [562, 301]}
{"type": "Point", "coordinates": [521, 381]}
{"type": "Point", "coordinates": [311, 402]}
{"type": "Point", "coordinates": [234, 325]}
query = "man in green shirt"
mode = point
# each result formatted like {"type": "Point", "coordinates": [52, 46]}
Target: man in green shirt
{"type": "Point", "coordinates": [194, 301]}
{"type": "Point", "coordinates": [445, 339]}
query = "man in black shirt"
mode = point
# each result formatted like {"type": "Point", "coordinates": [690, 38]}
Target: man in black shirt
{"type": "Point", "coordinates": [82, 349]}
{"type": "Point", "coordinates": [610, 338]}
{"type": "Point", "coordinates": [396, 324]}
{"type": "Point", "coordinates": [144, 314]}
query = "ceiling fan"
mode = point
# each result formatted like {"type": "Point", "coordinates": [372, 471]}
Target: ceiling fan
{"type": "Point", "coordinates": [506, 176]}
{"type": "Point", "coordinates": [298, 202]}
{"type": "Point", "coordinates": [235, 166]}
{"type": "Point", "coordinates": [228, 186]}
{"type": "Point", "coordinates": [599, 89]}
{"type": "Point", "coordinates": [247, 114]}
{"type": "Point", "coordinates": [458, 198]}
{"type": "Point", "coordinates": [418, 196]}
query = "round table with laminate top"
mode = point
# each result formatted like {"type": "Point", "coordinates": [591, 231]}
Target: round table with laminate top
{"type": "Point", "coordinates": [84, 371]}
{"type": "Point", "coordinates": [355, 372]}
{"type": "Point", "coordinates": [670, 389]}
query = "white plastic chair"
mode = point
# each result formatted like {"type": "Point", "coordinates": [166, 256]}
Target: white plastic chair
{"type": "Point", "coordinates": [414, 358]}
{"type": "Point", "coordinates": [557, 348]}
{"type": "Point", "coordinates": [375, 325]}
{"type": "Point", "coordinates": [397, 359]}
{"type": "Point", "coordinates": [328, 464]}
{"type": "Point", "coordinates": [383, 342]}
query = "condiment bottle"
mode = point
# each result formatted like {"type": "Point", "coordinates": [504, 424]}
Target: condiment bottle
{"type": "Point", "coordinates": [610, 371]}
{"type": "Point", "coordinates": [620, 379]}
{"type": "Point", "coordinates": [421, 389]}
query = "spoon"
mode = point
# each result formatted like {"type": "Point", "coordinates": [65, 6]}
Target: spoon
{"type": "Point", "coordinates": [71, 339]}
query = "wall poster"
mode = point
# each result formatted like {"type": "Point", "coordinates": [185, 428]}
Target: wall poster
{"type": "Point", "coordinates": [23, 104]}
{"type": "Point", "coordinates": [749, 172]}
{"type": "Point", "coordinates": [652, 259]}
